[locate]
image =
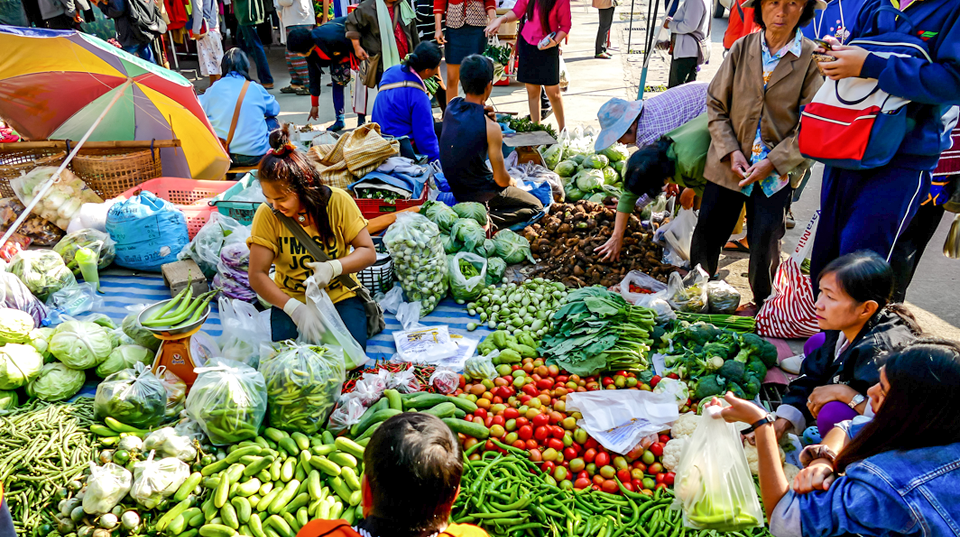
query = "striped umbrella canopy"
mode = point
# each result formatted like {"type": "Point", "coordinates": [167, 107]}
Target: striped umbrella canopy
{"type": "Point", "coordinates": [55, 83]}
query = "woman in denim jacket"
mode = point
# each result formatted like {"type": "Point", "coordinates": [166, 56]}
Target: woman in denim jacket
{"type": "Point", "coordinates": [900, 474]}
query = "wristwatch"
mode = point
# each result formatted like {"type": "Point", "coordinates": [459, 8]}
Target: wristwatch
{"type": "Point", "coordinates": [769, 418]}
{"type": "Point", "coordinates": [857, 399]}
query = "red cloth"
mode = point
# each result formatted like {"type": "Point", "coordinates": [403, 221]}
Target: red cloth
{"type": "Point", "coordinates": [440, 6]}
{"type": "Point", "coordinates": [741, 23]}
{"type": "Point", "coordinates": [949, 163]}
{"type": "Point", "coordinates": [403, 47]}
{"type": "Point", "coordinates": [177, 14]}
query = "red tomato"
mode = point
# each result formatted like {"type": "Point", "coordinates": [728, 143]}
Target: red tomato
{"type": "Point", "coordinates": [497, 400]}
{"type": "Point", "coordinates": [488, 421]}
{"type": "Point", "coordinates": [490, 446]}
{"type": "Point", "coordinates": [654, 381]}
{"type": "Point", "coordinates": [463, 381]}
{"type": "Point", "coordinates": [591, 443]}
{"type": "Point", "coordinates": [557, 432]}
{"type": "Point", "coordinates": [521, 421]}
{"type": "Point", "coordinates": [664, 438]}
{"type": "Point", "coordinates": [530, 390]}
{"type": "Point", "coordinates": [607, 381]}
{"type": "Point", "coordinates": [511, 413]}
{"type": "Point", "coordinates": [661, 477]}
{"type": "Point", "coordinates": [524, 399]}
{"type": "Point", "coordinates": [590, 455]}
{"type": "Point", "coordinates": [598, 479]}
{"type": "Point", "coordinates": [595, 487]}
{"type": "Point", "coordinates": [569, 453]}
{"type": "Point", "coordinates": [562, 379]}
{"type": "Point", "coordinates": [624, 476]}
{"type": "Point", "coordinates": [516, 367]}
{"type": "Point", "coordinates": [610, 486]}
{"type": "Point", "coordinates": [498, 420]}
{"type": "Point", "coordinates": [480, 412]}
{"type": "Point", "coordinates": [519, 444]}
{"type": "Point", "coordinates": [629, 486]}
{"type": "Point", "coordinates": [602, 459]}
{"type": "Point", "coordinates": [669, 478]}
{"type": "Point", "coordinates": [661, 485]}
{"type": "Point", "coordinates": [657, 449]}
{"type": "Point", "coordinates": [536, 377]}
{"type": "Point", "coordinates": [555, 444]}
{"type": "Point", "coordinates": [525, 432]}
{"type": "Point", "coordinates": [544, 384]}
{"type": "Point", "coordinates": [581, 483]}
{"type": "Point", "coordinates": [540, 420]}
{"type": "Point", "coordinates": [532, 444]}
{"type": "Point", "coordinates": [535, 455]}
{"type": "Point", "coordinates": [548, 467]}
{"type": "Point", "coordinates": [637, 484]}
{"type": "Point", "coordinates": [541, 433]}
{"type": "Point", "coordinates": [468, 417]}
{"type": "Point", "coordinates": [673, 376]}
{"type": "Point", "coordinates": [508, 378]}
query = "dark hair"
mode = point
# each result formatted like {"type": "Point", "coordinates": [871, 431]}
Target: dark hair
{"type": "Point", "coordinates": [300, 40]}
{"type": "Point", "coordinates": [476, 73]}
{"type": "Point", "coordinates": [805, 17]}
{"type": "Point", "coordinates": [865, 276]}
{"type": "Point", "coordinates": [413, 465]}
{"type": "Point", "coordinates": [545, 7]}
{"type": "Point", "coordinates": [919, 409]}
{"type": "Point", "coordinates": [285, 165]}
{"type": "Point", "coordinates": [426, 56]}
{"type": "Point", "coordinates": [648, 167]}
{"type": "Point", "coordinates": [235, 61]}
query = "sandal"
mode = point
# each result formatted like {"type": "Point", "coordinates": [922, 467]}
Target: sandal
{"type": "Point", "coordinates": [604, 56]}
{"type": "Point", "coordinates": [303, 91]}
{"type": "Point", "coordinates": [739, 245]}
{"type": "Point", "coordinates": [290, 89]}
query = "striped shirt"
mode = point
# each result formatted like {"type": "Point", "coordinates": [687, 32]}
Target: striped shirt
{"type": "Point", "coordinates": [665, 112]}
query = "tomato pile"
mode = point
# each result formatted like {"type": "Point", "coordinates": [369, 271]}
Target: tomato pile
{"type": "Point", "coordinates": [634, 288]}
{"type": "Point", "coordinates": [525, 407]}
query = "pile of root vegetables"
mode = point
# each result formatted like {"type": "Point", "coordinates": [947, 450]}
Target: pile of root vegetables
{"type": "Point", "coordinates": [565, 242]}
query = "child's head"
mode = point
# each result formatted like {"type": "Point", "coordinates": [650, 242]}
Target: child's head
{"type": "Point", "coordinates": [476, 75]}
{"type": "Point", "coordinates": [648, 169]}
{"type": "Point", "coordinates": [412, 469]}
{"type": "Point", "coordinates": [852, 288]}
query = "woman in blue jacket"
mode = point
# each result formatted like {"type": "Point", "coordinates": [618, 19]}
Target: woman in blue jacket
{"type": "Point", "coordinates": [869, 209]}
{"type": "Point", "coordinates": [898, 476]}
{"type": "Point", "coordinates": [403, 105]}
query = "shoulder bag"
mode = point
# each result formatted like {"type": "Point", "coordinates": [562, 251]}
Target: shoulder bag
{"type": "Point", "coordinates": [375, 321]}
{"type": "Point", "coordinates": [236, 118]}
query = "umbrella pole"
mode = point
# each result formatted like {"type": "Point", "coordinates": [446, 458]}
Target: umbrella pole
{"type": "Point", "coordinates": [49, 184]}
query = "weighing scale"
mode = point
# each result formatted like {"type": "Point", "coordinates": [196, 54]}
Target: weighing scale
{"type": "Point", "coordinates": [174, 352]}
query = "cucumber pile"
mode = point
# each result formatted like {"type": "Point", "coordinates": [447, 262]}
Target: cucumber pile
{"type": "Point", "coordinates": [450, 409]}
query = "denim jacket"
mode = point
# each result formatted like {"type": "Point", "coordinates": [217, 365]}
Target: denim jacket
{"type": "Point", "coordinates": [914, 492]}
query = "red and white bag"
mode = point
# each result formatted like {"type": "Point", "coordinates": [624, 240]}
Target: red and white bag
{"type": "Point", "coordinates": [789, 312]}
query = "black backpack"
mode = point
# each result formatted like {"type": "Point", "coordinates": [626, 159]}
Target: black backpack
{"type": "Point", "coordinates": [145, 21]}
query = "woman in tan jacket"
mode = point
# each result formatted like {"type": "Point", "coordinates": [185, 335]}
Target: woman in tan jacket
{"type": "Point", "coordinates": [753, 106]}
{"type": "Point", "coordinates": [606, 8]}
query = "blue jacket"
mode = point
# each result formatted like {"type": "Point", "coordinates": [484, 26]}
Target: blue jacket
{"type": "Point", "coordinates": [407, 111]}
{"type": "Point", "coordinates": [933, 87]}
{"type": "Point", "coordinates": [915, 492]}
{"type": "Point", "coordinates": [829, 20]}
{"type": "Point", "coordinates": [251, 137]}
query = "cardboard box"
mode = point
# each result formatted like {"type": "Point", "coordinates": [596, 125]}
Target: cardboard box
{"type": "Point", "coordinates": [177, 274]}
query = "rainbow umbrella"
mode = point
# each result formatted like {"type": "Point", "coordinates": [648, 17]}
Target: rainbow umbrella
{"type": "Point", "coordinates": [54, 84]}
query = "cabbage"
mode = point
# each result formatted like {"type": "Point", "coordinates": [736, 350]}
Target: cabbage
{"type": "Point", "coordinates": [142, 336]}
{"type": "Point", "coordinates": [472, 209]}
{"type": "Point", "coordinates": [573, 193]}
{"type": "Point", "coordinates": [589, 180]}
{"type": "Point", "coordinates": [511, 247]}
{"type": "Point", "coordinates": [551, 156]}
{"type": "Point", "coordinates": [597, 198]}
{"type": "Point", "coordinates": [93, 239]}
{"type": "Point", "coordinates": [56, 382]}
{"type": "Point", "coordinates": [496, 268]}
{"type": "Point", "coordinates": [80, 344]}
{"type": "Point", "coordinates": [577, 158]}
{"type": "Point", "coordinates": [620, 166]}
{"type": "Point", "coordinates": [124, 357]}
{"type": "Point", "coordinates": [15, 326]}
{"type": "Point", "coordinates": [19, 364]}
{"type": "Point", "coordinates": [597, 162]}
{"type": "Point", "coordinates": [566, 168]}
{"type": "Point", "coordinates": [450, 244]}
{"type": "Point", "coordinates": [610, 176]}
{"type": "Point", "coordinates": [487, 249]}
{"type": "Point", "coordinates": [40, 340]}
{"type": "Point", "coordinates": [469, 232]}
{"type": "Point", "coordinates": [8, 400]}
{"type": "Point", "coordinates": [616, 152]}
{"type": "Point", "coordinates": [440, 214]}
{"type": "Point", "coordinates": [42, 271]}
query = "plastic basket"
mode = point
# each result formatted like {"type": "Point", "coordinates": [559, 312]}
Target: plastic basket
{"type": "Point", "coordinates": [241, 211]}
{"type": "Point", "coordinates": [374, 208]}
{"type": "Point", "coordinates": [378, 278]}
{"type": "Point", "coordinates": [111, 172]}
{"type": "Point", "coordinates": [189, 195]}
{"type": "Point", "coordinates": [16, 162]}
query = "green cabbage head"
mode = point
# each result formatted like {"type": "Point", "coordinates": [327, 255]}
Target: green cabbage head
{"type": "Point", "coordinates": [124, 357]}
{"type": "Point", "coordinates": [143, 337]}
{"type": "Point", "coordinates": [472, 209]}
{"type": "Point", "coordinates": [513, 248]}
{"type": "Point", "coordinates": [8, 400]}
{"type": "Point", "coordinates": [19, 364]}
{"type": "Point", "coordinates": [590, 180]}
{"type": "Point", "coordinates": [15, 326]}
{"type": "Point", "coordinates": [56, 382]}
{"type": "Point", "coordinates": [81, 345]}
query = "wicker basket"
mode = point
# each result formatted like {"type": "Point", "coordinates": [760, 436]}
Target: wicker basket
{"type": "Point", "coordinates": [111, 172]}
{"type": "Point", "coordinates": [14, 163]}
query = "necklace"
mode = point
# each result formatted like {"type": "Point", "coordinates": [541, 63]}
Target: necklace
{"type": "Point", "coordinates": [301, 218]}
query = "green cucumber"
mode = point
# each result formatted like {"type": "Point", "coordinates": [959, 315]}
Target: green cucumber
{"type": "Point", "coordinates": [393, 399]}
{"type": "Point", "coordinates": [468, 428]}
{"type": "Point", "coordinates": [343, 459]}
{"type": "Point", "coordinates": [187, 487]}
{"type": "Point", "coordinates": [443, 410]}
{"type": "Point", "coordinates": [349, 446]}
{"type": "Point", "coordinates": [325, 465]}
{"type": "Point", "coordinates": [350, 477]}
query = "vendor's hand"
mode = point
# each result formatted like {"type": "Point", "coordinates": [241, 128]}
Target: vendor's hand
{"type": "Point", "coordinates": [666, 22]}
{"type": "Point", "coordinates": [757, 172]}
{"type": "Point", "coordinates": [610, 250]}
{"type": "Point", "coordinates": [493, 27]}
{"type": "Point", "coordinates": [817, 476]}
{"type": "Point", "coordinates": [439, 36]}
{"type": "Point", "coordinates": [738, 163]}
{"type": "Point", "coordinates": [739, 409]}
{"type": "Point", "coordinates": [77, 17]}
{"type": "Point", "coordinates": [671, 189]}
{"type": "Point", "coordinates": [360, 53]}
{"type": "Point", "coordinates": [687, 198]}
{"type": "Point", "coordinates": [323, 19]}
{"type": "Point", "coordinates": [848, 63]}
{"type": "Point", "coordinates": [824, 394]}
{"type": "Point", "coordinates": [307, 321]}
{"type": "Point", "coordinates": [325, 271]}
{"type": "Point", "coordinates": [314, 113]}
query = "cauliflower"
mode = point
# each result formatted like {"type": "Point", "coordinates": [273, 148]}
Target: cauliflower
{"type": "Point", "coordinates": [672, 452]}
{"type": "Point", "coordinates": [754, 461]}
{"type": "Point", "coordinates": [791, 472]}
{"type": "Point", "coordinates": [685, 425]}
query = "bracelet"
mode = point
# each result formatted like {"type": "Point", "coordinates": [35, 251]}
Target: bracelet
{"type": "Point", "coordinates": [817, 451]}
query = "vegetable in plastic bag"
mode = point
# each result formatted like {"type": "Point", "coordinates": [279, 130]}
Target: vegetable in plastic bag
{"type": "Point", "coordinates": [19, 364]}
{"type": "Point", "coordinates": [551, 156]}
{"type": "Point", "coordinates": [468, 232]}
{"type": "Point", "coordinates": [335, 333]}
{"type": "Point", "coordinates": [212, 237]}
{"type": "Point", "coordinates": [98, 241]}
{"type": "Point", "coordinates": [8, 400]}
{"type": "Point", "coordinates": [445, 380]}
{"type": "Point", "coordinates": [42, 271]}
{"type": "Point", "coordinates": [41, 232]}
{"type": "Point", "coordinates": [62, 201]}
{"type": "Point", "coordinates": [244, 331]}
{"type": "Point", "coordinates": [496, 268]}
{"type": "Point", "coordinates": [56, 382]}
{"type": "Point", "coordinates": [167, 442]}
{"type": "Point", "coordinates": [479, 368]}
{"type": "Point", "coordinates": [472, 209]}
{"type": "Point", "coordinates": [154, 480]}
{"type": "Point", "coordinates": [228, 400]}
{"type": "Point", "coordinates": [440, 214]}
{"type": "Point", "coordinates": [14, 294]}
{"type": "Point", "coordinates": [176, 390]}
{"type": "Point", "coordinates": [134, 397]}
{"type": "Point", "coordinates": [404, 381]}
{"type": "Point", "coordinates": [106, 486]}
{"type": "Point", "coordinates": [513, 248]}
{"type": "Point", "coordinates": [688, 294]}
{"type": "Point", "coordinates": [303, 385]}
{"type": "Point", "coordinates": [143, 337]}
{"type": "Point", "coordinates": [81, 344]}
{"type": "Point", "coordinates": [468, 274]}
{"type": "Point", "coordinates": [417, 252]}
{"type": "Point", "coordinates": [74, 299]}
{"type": "Point", "coordinates": [124, 357]}
{"type": "Point", "coordinates": [370, 387]}
{"type": "Point", "coordinates": [347, 414]}
{"type": "Point", "coordinates": [15, 326]}
{"type": "Point", "coordinates": [722, 297]}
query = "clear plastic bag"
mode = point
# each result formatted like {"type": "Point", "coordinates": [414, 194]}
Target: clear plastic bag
{"type": "Point", "coordinates": [14, 294]}
{"type": "Point", "coordinates": [404, 381]}
{"type": "Point", "coordinates": [420, 262]}
{"type": "Point", "coordinates": [106, 486]}
{"type": "Point", "coordinates": [134, 397]}
{"type": "Point", "coordinates": [370, 387]}
{"type": "Point", "coordinates": [463, 287]}
{"type": "Point", "coordinates": [335, 333]}
{"type": "Point", "coordinates": [154, 480]}
{"type": "Point", "coordinates": [243, 331]}
{"type": "Point", "coordinates": [61, 202]}
{"type": "Point", "coordinates": [42, 271]}
{"type": "Point", "coordinates": [41, 232]}
{"type": "Point", "coordinates": [346, 415]}
{"type": "Point", "coordinates": [169, 442]}
{"type": "Point", "coordinates": [228, 400]}
{"type": "Point", "coordinates": [688, 294]}
{"type": "Point", "coordinates": [445, 380]}
{"type": "Point", "coordinates": [678, 235]}
{"type": "Point", "coordinates": [479, 368]}
{"type": "Point", "coordinates": [75, 299]}
{"type": "Point", "coordinates": [205, 247]}
{"type": "Point", "coordinates": [176, 390]}
{"type": "Point", "coordinates": [714, 487]}
{"type": "Point", "coordinates": [98, 241]}
{"type": "Point", "coordinates": [303, 385]}
{"type": "Point", "coordinates": [643, 281]}
{"type": "Point", "coordinates": [722, 297]}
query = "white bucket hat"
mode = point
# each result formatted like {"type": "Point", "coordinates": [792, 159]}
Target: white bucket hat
{"type": "Point", "coordinates": [616, 116]}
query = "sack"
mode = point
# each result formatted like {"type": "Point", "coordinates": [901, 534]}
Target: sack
{"type": "Point", "coordinates": [148, 231]}
{"type": "Point", "coordinates": [790, 311]}
{"type": "Point", "coordinates": [334, 332]}
{"type": "Point", "coordinates": [852, 123]}
{"type": "Point", "coordinates": [145, 22]}
{"type": "Point", "coordinates": [303, 385]}
{"type": "Point", "coordinates": [713, 484]}
{"type": "Point", "coordinates": [354, 156]}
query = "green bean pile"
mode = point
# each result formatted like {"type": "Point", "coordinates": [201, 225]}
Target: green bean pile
{"type": "Point", "coordinates": [507, 496]}
{"type": "Point", "coordinates": [44, 447]}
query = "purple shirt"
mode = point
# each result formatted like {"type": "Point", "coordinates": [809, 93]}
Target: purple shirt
{"type": "Point", "coordinates": [675, 107]}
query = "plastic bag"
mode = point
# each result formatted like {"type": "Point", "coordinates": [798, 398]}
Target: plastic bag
{"type": "Point", "coordinates": [168, 442]}
{"type": "Point", "coordinates": [244, 330]}
{"type": "Point", "coordinates": [42, 271]}
{"type": "Point", "coordinates": [479, 368]}
{"type": "Point", "coordinates": [41, 232]}
{"type": "Point", "coordinates": [468, 273]}
{"type": "Point", "coordinates": [233, 272]}
{"type": "Point", "coordinates": [176, 390]}
{"type": "Point", "coordinates": [61, 202]}
{"type": "Point", "coordinates": [370, 387]}
{"type": "Point", "coordinates": [688, 294]}
{"type": "Point", "coordinates": [98, 241]}
{"type": "Point", "coordinates": [445, 380]}
{"type": "Point", "coordinates": [134, 397]}
{"type": "Point", "coordinates": [14, 294]}
{"type": "Point", "coordinates": [678, 235]}
{"type": "Point", "coordinates": [149, 232]}
{"type": "Point", "coordinates": [404, 381]}
{"type": "Point", "coordinates": [106, 486]}
{"type": "Point", "coordinates": [205, 247]}
{"type": "Point", "coordinates": [335, 333]}
{"type": "Point", "coordinates": [637, 279]}
{"type": "Point", "coordinates": [303, 385]}
{"type": "Point", "coordinates": [421, 265]}
{"type": "Point", "coordinates": [714, 486]}
{"type": "Point", "coordinates": [228, 400]}
{"type": "Point", "coordinates": [75, 299]}
{"type": "Point", "coordinates": [154, 480]}
{"type": "Point", "coordinates": [14, 245]}
{"type": "Point", "coordinates": [346, 415]}
{"type": "Point", "coordinates": [722, 297]}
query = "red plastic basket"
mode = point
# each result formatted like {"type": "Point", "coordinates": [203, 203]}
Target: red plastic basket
{"type": "Point", "coordinates": [189, 195]}
{"type": "Point", "coordinates": [374, 208]}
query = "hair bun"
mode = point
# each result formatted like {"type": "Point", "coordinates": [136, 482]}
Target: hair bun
{"type": "Point", "coordinates": [280, 137]}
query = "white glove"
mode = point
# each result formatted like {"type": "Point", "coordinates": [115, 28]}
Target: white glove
{"type": "Point", "coordinates": [308, 322]}
{"type": "Point", "coordinates": [325, 271]}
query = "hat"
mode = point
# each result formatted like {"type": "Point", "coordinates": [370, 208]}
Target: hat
{"type": "Point", "coordinates": [817, 4]}
{"type": "Point", "coordinates": [616, 116]}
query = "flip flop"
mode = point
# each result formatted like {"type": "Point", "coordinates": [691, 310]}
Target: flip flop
{"type": "Point", "coordinates": [737, 246]}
